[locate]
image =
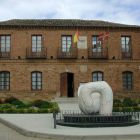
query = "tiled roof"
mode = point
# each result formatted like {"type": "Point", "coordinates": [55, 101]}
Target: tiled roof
{"type": "Point", "coordinates": [62, 22]}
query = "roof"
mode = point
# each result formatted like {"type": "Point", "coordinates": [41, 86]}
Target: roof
{"type": "Point", "coordinates": [63, 23]}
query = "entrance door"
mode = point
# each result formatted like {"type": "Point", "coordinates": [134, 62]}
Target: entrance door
{"type": "Point", "coordinates": [66, 84]}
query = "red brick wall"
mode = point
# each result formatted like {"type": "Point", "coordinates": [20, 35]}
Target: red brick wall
{"type": "Point", "coordinates": [20, 70]}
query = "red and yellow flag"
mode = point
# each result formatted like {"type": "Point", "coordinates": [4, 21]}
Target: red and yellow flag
{"type": "Point", "coordinates": [76, 37]}
{"type": "Point", "coordinates": [103, 36]}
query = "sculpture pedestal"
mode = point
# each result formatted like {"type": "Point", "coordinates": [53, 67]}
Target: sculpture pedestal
{"type": "Point", "coordinates": [96, 120]}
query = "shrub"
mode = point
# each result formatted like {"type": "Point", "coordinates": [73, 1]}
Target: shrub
{"type": "Point", "coordinates": [135, 104]}
{"type": "Point", "coordinates": [118, 104]}
{"type": "Point", "coordinates": [30, 103]}
{"type": "Point", "coordinates": [117, 109]}
{"type": "Point", "coordinates": [129, 109]}
{"type": "Point", "coordinates": [46, 106]}
{"type": "Point", "coordinates": [22, 106]}
{"type": "Point", "coordinates": [5, 106]}
{"type": "Point", "coordinates": [17, 102]}
{"type": "Point", "coordinates": [38, 103]}
{"type": "Point", "coordinates": [56, 107]}
{"type": "Point", "coordinates": [127, 102]}
{"type": "Point", "coordinates": [136, 109]}
{"type": "Point", "coordinates": [1, 101]}
{"type": "Point", "coordinates": [10, 100]}
{"type": "Point", "coordinates": [117, 101]}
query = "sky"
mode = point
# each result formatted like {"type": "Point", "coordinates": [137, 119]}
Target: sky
{"type": "Point", "coordinates": [118, 11]}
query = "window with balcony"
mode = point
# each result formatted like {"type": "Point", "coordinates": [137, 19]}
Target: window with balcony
{"type": "Point", "coordinates": [66, 44]}
{"type": "Point", "coordinates": [95, 51]}
{"type": "Point", "coordinates": [126, 47]}
{"type": "Point", "coordinates": [96, 45]}
{"type": "Point", "coordinates": [127, 80]}
{"type": "Point", "coordinates": [36, 43]}
{"type": "Point", "coordinates": [66, 50]}
{"type": "Point", "coordinates": [36, 50]}
{"type": "Point", "coordinates": [97, 76]}
{"type": "Point", "coordinates": [36, 83]}
{"type": "Point", "coordinates": [4, 46]}
{"type": "Point", "coordinates": [4, 80]}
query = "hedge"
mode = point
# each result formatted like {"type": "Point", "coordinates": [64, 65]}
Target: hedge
{"type": "Point", "coordinates": [11, 110]}
{"type": "Point", "coordinates": [126, 109]}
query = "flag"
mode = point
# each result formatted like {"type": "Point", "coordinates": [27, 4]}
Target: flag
{"type": "Point", "coordinates": [43, 37]}
{"type": "Point", "coordinates": [76, 37]}
{"type": "Point", "coordinates": [103, 36]}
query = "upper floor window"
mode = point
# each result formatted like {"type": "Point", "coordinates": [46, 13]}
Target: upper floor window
{"type": "Point", "coordinates": [97, 76]}
{"type": "Point", "coordinates": [36, 80]}
{"type": "Point", "coordinates": [66, 43]}
{"type": "Point", "coordinates": [36, 43]}
{"type": "Point", "coordinates": [5, 43]}
{"type": "Point", "coordinates": [127, 80]}
{"type": "Point", "coordinates": [125, 41]}
{"type": "Point", "coordinates": [4, 81]}
{"type": "Point", "coordinates": [96, 45]}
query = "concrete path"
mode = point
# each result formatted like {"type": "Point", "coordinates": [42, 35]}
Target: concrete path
{"type": "Point", "coordinates": [42, 126]}
{"type": "Point", "coordinates": [7, 133]}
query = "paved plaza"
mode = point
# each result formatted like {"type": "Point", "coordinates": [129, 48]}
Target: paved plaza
{"type": "Point", "coordinates": [42, 126]}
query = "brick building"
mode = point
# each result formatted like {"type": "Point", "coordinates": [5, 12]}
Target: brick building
{"type": "Point", "coordinates": [35, 68]}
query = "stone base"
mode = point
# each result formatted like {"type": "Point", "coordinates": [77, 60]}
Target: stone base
{"type": "Point", "coordinates": [96, 120]}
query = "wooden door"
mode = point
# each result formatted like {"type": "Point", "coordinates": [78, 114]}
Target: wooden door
{"type": "Point", "coordinates": [63, 84]}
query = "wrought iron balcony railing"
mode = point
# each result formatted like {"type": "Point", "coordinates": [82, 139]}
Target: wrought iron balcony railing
{"type": "Point", "coordinates": [97, 55]}
{"type": "Point", "coordinates": [41, 54]}
{"type": "Point", "coordinates": [126, 55]}
{"type": "Point", "coordinates": [67, 53]}
{"type": "Point", "coordinates": [4, 55]}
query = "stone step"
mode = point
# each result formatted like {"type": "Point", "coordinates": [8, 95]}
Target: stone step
{"type": "Point", "coordinates": [65, 100]}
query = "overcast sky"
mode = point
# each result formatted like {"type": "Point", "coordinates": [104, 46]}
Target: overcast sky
{"type": "Point", "coordinates": [119, 11]}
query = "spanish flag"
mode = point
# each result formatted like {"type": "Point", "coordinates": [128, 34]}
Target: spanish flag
{"type": "Point", "coordinates": [76, 37]}
{"type": "Point", "coordinates": [103, 36]}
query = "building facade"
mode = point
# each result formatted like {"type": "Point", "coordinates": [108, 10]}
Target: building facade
{"type": "Point", "coordinates": [38, 59]}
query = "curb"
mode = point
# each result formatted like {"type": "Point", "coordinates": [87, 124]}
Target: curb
{"type": "Point", "coordinates": [65, 137]}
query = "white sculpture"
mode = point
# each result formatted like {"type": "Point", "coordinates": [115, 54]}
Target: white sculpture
{"type": "Point", "coordinates": [95, 97]}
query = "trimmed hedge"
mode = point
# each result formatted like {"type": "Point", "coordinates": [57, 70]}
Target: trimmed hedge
{"type": "Point", "coordinates": [126, 109]}
{"type": "Point", "coordinates": [10, 110]}
{"type": "Point", "coordinates": [21, 110]}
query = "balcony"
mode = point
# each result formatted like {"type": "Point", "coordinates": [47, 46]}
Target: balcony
{"type": "Point", "coordinates": [127, 55]}
{"type": "Point", "coordinates": [4, 55]}
{"type": "Point", "coordinates": [36, 55]}
{"type": "Point", "coordinates": [97, 55]}
{"type": "Point", "coordinates": [72, 54]}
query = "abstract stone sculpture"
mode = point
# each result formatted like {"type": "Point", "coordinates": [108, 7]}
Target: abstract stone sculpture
{"type": "Point", "coordinates": [95, 97]}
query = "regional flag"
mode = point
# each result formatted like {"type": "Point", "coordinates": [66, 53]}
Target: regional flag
{"type": "Point", "coordinates": [76, 37]}
{"type": "Point", "coordinates": [103, 36]}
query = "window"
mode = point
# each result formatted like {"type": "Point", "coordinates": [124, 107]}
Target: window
{"type": "Point", "coordinates": [36, 80]}
{"type": "Point", "coordinates": [36, 43]}
{"type": "Point", "coordinates": [5, 43]}
{"type": "Point", "coordinates": [97, 76]}
{"type": "Point", "coordinates": [125, 44]}
{"type": "Point", "coordinates": [96, 45]}
{"type": "Point", "coordinates": [4, 81]}
{"type": "Point", "coordinates": [66, 43]}
{"type": "Point", "coordinates": [127, 80]}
